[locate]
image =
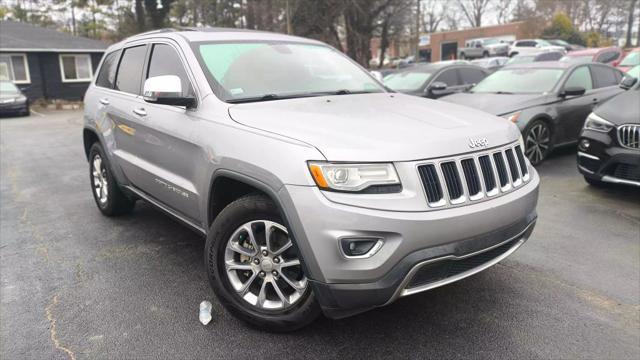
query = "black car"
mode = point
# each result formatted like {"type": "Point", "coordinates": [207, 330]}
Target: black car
{"type": "Point", "coordinates": [12, 100]}
{"type": "Point", "coordinates": [437, 79]}
{"type": "Point", "coordinates": [609, 145]}
{"type": "Point", "coordinates": [549, 101]}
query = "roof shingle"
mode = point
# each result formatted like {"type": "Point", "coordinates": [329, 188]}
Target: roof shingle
{"type": "Point", "coordinates": [26, 37]}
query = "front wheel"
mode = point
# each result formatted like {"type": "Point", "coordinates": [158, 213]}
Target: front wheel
{"type": "Point", "coordinates": [255, 269]}
{"type": "Point", "coordinates": [462, 56]}
{"type": "Point", "coordinates": [537, 141]}
{"type": "Point", "coordinates": [485, 54]}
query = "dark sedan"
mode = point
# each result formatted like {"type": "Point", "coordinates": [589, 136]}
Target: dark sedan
{"type": "Point", "coordinates": [437, 79]}
{"type": "Point", "coordinates": [609, 145]}
{"type": "Point", "coordinates": [12, 101]}
{"type": "Point", "coordinates": [549, 101]}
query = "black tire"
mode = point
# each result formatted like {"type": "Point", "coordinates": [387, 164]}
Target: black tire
{"type": "Point", "coordinates": [116, 203]}
{"type": "Point", "coordinates": [595, 183]}
{"type": "Point", "coordinates": [513, 54]}
{"type": "Point", "coordinates": [485, 54]}
{"type": "Point", "coordinates": [533, 131]}
{"type": "Point", "coordinates": [251, 208]}
{"type": "Point", "coordinates": [462, 56]}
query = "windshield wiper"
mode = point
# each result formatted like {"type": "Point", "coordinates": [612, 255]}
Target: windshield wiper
{"type": "Point", "coordinates": [268, 97]}
{"type": "Point", "coordinates": [502, 92]}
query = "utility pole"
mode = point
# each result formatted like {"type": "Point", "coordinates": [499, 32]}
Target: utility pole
{"type": "Point", "coordinates": [288, 16]}
{"type": "Point", "coordinates": [417, 49]}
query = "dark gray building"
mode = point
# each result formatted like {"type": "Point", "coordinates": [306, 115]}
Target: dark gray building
{"type": "Point", "coordinates": [47, 64]}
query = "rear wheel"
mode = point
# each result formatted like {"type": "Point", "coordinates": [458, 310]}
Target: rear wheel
{"type": "Point", "coordinates": [537, 141]}
{"type": "Point", "coordinates": [106, 192]}
{"type": "Point", "coordinates": [462, 56]}
{"type": "Point", "coordinates": [255, 269]}
{"type": "Point", "coordinates": [485, 54]}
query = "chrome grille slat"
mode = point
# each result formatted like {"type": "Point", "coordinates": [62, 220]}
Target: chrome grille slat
{"type": "Point", "coordinates": [471, 178]}
{"type": "Point", "coordinates": [629, 136]}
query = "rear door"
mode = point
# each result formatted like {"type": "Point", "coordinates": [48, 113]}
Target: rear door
{"type": "Point", "coordinates": [573, 110]}
{"type": "Point", "coordinates": [606, 82]}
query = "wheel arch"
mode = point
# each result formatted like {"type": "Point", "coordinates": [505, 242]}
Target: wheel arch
{"type": "Point", "coordinates": [89, 137]}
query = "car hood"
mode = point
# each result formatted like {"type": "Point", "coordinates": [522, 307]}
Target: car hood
{"type": "Point", "coordinates": [497, 104]}
{"type": "Point", "coordinates": [621, 109]}
{"type": "Point", "coordinates": [9, 95]}
{"type": "Point", "coordinates": [376, 127]}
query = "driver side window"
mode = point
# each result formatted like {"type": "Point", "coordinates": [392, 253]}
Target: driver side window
{"type": "Point", "coordinates": [165, 61]}
{"type": "Point", "coordinates": [581, 77]}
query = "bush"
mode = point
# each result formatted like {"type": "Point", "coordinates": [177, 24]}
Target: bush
{"type": "Point", "coordinates": [561, 28]}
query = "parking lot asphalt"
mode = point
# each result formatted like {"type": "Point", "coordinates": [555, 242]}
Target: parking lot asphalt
{"type": "Point", "coordinates": [75, 284]}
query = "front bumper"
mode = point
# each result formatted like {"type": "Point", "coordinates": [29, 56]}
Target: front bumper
{"type": "Point", "coordinates": [605, 160]}
{"type": "Point", "coordinates": [13, 107]}
{"type": "Point", "coordinates": [412, 240]}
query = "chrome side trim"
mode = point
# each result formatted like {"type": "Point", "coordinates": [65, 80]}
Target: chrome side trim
{"type": "Point", "coordinates": [403, 291]}
{"type": "Point", "coordinates": [165, 209]}
{"type": "Point", "coordinates": [615, 180]}
{"type": "Point", "coordinates": [585, 169]}
{"type": "Point", "coordinates": [588, 156]}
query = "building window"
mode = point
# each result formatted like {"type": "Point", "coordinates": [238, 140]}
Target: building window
{"type": "Point", "coordinates": [14, 67]}
{"type": "Point", "coordinates": [75, 68]}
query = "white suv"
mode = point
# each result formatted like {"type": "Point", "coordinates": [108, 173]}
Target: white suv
{"type": "Point", "coordinates": [531, 46]}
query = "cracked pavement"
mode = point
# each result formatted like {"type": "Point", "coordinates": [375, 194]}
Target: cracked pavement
{"type": "Point", "coordinates": [77, 285]}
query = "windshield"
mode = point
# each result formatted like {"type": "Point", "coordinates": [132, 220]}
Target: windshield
{"type": "Point", "coordinates": [520, 60]}
{"type": "Point", "coordinates": [8, 88]}
{"type": "Point", "coordinates": [634, 72]}
{"type": "Point", "coordinates": [267, 71]}
{"type": "Point", "coordinates": [519, 81]}
{"type": "Point", "coordinates": [632, 59]}
{"type": "Point", "coordinates": [406, 81]}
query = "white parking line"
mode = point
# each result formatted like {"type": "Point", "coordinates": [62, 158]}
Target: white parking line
{"type": "Point", "coordinates": [37, 113]}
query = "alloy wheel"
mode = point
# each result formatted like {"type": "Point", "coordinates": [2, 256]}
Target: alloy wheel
{"type": "Point", "coordinates": [263, 267]}
{"type": "Point", "coordinates": [100, 182]}
{"type": "Point", "coordinates": [537, 143]}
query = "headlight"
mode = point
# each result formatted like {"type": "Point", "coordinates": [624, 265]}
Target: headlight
{"type": "Point", "coordinates": [21, 99]}
{"type": "Point", "coordinates": [513, 117]}
{"type": "Point", "coordinates": [596, 123]}
{"type": "Point", "coordinates": [353, 177]}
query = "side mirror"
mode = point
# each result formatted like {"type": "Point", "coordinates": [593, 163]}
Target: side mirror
{"type": "Point", "coordinates": [166, 90]}
{"type": "Point", "coordinates": [628, 82]}
{"type": "Point", "coordinates": [377, 75]}
{"type": "Point", "coordinates": [573, 91]}
{"type": "Point", "coordinates": [438, 86]}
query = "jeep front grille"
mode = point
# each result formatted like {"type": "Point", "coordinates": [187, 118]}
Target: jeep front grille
{"type": "Point", "coordinates": [629, 136]}
{"type": "Point", "coordinates": [473, 177]}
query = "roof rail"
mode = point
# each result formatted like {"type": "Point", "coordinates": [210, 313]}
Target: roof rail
{"type": "Point", "coordinates": [164, 30]}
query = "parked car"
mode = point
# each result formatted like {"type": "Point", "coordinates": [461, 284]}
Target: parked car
{"type": "Point", "coordinates": [609, 145]}
{"type": "Point", "coordinates": [317, 190]}
{"type": "Point", "coordinates": [567, 46]}
{"type": "Point", "coordinates": [535, 57]}
{"type": "Point", "coordinates": [547, 100]}
{"type": "Point", "coordinates": [483, 48]}
{"type": "Point", "coordinates": [435, 80]}
{"type": "Point", "coordinates": [631, 59]}
{"type": "Point", "coordinates": [529, 46]}
{"type": "Point", "coordinates": [608, 55]}
{"type": "Point", "coordinates": [492, 64]}
{"type": "Point", "coordinates": [634, 72]}
{"type": "Point", "coordinates": [12, 100]}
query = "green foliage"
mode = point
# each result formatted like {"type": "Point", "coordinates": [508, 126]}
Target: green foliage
{"type": "Point", "coordinates": [562, 28]}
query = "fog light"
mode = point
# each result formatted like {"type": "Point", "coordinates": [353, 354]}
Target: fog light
{"type": "Point", "coordinates": [584, 144]}
{"type": "Point", "coordinates": [360, 247]}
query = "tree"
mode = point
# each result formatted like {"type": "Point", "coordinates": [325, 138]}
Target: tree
{"type": "Point", "coordinates": [504, 11]}
{"type": "Point", "coordinates": [360, 18]}
{"type": "Point", "coordinates": [632, 7]}
{"type": "Point", "coordinates": [473, 10]}
{"type": "Point", "coordinates": [393, 21]}
{"type": "Point", "coordinates": [432, 15]}
{"type": "Point", "coordinates": [317, 20]}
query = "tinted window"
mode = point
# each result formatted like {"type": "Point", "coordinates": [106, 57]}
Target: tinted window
{"type": "Point", "coordinates": [605, 77]}
{"type": "Point", "coordinates": [549, 56]}
{"type": "Point", "coordinates": [130, 70]}
{"type": "Point", "coordinates": [526, 43]}
{"type": "Point", "coordinates": [580, 77]}
{"type": "Point", "coordinates": [607, 57]}
{"type": "Point", "coordinates": [107, 74]}
{"type": "Point", "coordinates": [519, 81]}
{"type": "Point", "coordinates": [448, 77]}
{"type": "Point", "coordinates": [165, 61]}
{"type": "Point", "coordinates": [406, 80]}
{"type": "Point", "coordinates": [471, 76]}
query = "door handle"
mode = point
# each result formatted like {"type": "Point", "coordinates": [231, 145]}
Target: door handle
{"type": "Point", "coordinates": [140, 112]}
{"type": "Point", "coordinates": [104, 101]}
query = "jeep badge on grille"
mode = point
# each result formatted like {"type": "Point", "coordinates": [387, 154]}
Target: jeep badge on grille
{"type": "Point", "coordinates": [478, 143]}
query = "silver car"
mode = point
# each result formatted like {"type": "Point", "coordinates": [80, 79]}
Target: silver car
{"type": "Point", "coordinates": [318, 190]}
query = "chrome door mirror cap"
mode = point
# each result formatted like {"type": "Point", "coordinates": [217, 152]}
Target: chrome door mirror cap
{"type": "Point", "coordinates": [166, 90]}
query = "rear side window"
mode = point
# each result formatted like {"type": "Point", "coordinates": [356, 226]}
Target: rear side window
{"type": "Point", "coordinates": [526, 43]}
{"type": "Point", "coordinates": [581, 77]}
{"type": "Point", "coordinates": [165, 61]}
{"type": "Point", "coordinates": [471, 76]}
{"type": "Point", "coordinates": [107, 75]}
{"type": "Point", "coordinates": [448, 77]}
{"type": "Point", "coordinates": [549, 56]}
{"type": "Point", "coordinates": [604, 76]}
{"type": "Point", "coordinates": [130, 70]}
{"type": "Point", "coordinates": [607, 57]}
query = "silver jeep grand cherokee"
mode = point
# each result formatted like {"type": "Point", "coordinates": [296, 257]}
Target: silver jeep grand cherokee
{"type": "Point", "coordinates": [318, 190]}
